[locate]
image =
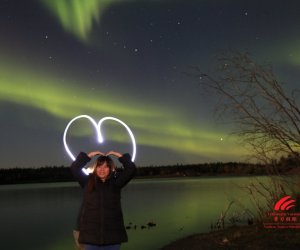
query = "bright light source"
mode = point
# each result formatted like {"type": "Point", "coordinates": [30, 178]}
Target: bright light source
{"type": "Point", "coordinates": [100, 138]}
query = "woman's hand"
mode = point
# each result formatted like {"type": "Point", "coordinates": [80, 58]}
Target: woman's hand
{"type": "Point", "coordinates": [117, 154]}
{"type": "Point", "coordinates": [94, 153]}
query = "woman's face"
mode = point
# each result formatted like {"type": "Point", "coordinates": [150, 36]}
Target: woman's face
{"type": "Point", "coordinates": [103, 171]}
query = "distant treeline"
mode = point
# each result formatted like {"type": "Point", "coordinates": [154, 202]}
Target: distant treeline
{"type": "Point", "coordinates": [63, 174]}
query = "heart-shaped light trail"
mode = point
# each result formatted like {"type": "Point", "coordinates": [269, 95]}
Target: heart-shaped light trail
{"type": "Point", "coordinates": [100, 138]}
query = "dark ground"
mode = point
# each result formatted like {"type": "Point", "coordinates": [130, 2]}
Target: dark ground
{"type": "Point", "coordinates": [246, 237]}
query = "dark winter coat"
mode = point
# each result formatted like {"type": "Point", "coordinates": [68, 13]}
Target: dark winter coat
{"type": "Point", "coordinates": [101, 219]}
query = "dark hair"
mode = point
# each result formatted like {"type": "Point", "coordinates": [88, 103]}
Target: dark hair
{"type": "Point", "coordinates": [102, 159]}
{"type": "Point", "coordinates": [99, 162]}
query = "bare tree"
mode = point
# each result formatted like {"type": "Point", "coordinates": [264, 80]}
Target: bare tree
{"type": "Point", "coordinates": [267, 119]}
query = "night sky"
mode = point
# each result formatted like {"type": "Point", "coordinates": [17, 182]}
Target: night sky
{"type": "Point", "coordinates": [127, 59]}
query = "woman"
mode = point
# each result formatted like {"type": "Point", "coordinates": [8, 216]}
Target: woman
{"type": "Point", "coordinates": [101, 222]}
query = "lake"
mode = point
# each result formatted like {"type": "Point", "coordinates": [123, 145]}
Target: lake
{"type": "Point", "coordinates": [42, 216]}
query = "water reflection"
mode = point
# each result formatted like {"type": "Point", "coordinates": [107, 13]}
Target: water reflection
{"type": "Point", "coordinates": [42, 216]}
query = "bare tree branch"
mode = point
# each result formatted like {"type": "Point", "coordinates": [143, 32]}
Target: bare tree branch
{"type": "Point", "coordinates": [266, 117]}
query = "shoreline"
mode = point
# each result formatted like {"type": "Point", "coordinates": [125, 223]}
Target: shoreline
{"type": "Point", "coordinates": [239, 237]}
{"type": "Point", "coordinates": [206, 170]}
{"type": "Point", "coordinates": [141, 178]}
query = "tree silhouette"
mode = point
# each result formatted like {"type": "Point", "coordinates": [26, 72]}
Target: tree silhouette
{"type": "Point", "coordinates": [267, 118]}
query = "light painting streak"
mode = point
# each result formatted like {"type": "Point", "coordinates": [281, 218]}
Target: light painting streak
{"type": "Point", "coordinates": [100, 138]}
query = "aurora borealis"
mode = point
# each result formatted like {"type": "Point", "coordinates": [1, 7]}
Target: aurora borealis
{"type": "Point", "coordinates": [63, 58]}
{"type": "Point", "coordinates": [76, 16]}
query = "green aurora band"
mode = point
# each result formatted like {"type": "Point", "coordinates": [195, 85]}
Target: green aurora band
{"type": "Point", "coordinates": [78, 16]}
{"type": "Point", "coordinates": [149, 123]}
